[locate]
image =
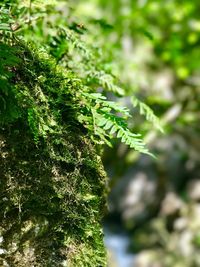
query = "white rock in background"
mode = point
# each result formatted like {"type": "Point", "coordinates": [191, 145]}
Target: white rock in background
{"type": "Point", "coordinates": [194, 189]}
{"type": "Point", "coordinates": [181, 223]}
{"type": "Point", "coordinates": [140, 192]}
{"type": "Point", "coordinates": [171, 204]}
{"type": "Point", "coordinates": [185, 243]}
{"type": "Point", "coordinates": [147, 259]}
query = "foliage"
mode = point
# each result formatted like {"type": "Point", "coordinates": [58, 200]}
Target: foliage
{"type": "Point", "coordinates": [105, 123]}
{"type": "Point", "coordinates": [147, 112]}
{"type": "Point", "coordinates": [64, 43]}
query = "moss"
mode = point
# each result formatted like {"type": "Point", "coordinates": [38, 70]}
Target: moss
{"type": "Point", "coordinates": [52, 182]}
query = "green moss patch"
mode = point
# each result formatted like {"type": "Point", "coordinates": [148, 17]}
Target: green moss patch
{"type": "Point", "coordinates": [52, 182]}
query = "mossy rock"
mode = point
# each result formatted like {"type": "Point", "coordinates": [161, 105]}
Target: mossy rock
{"type": "Point", "coordinates": [52, 182]}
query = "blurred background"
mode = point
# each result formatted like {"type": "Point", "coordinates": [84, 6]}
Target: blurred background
{"type": "Point", "coordinates": [154, 204]}
{"type": "Point", "coordinates": [152, 48]}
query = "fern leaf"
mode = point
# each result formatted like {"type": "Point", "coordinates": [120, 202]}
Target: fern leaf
{"type": "Point", "coordinates": [147, 112]}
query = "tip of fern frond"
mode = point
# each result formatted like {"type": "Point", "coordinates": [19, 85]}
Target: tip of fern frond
{"type": "Point", "coordinates": [153, 156]}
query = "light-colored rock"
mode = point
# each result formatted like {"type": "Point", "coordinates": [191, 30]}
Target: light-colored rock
{"type": "Point", "coordinates": [171, 204]}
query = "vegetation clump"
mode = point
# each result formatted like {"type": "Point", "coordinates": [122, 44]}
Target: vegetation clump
{"type": "Point", "coordinates": [52, 180]}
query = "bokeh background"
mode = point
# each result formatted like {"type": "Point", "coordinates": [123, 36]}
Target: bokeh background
{"type": "Point", "coordinates": [154, 210]}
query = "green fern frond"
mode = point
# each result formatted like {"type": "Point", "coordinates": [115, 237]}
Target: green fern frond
{"type": "Point", "coordinates": [107, 81]}
{"type": "Point", "coordinates": [116, 127]}
{"type": "Point", "coordinates": [5, 19]}
{"type": "Point", "coordinates": [102, 100]}
{"type": "Point", "coordinates": [76, 42]}
{"type": "Point", "coordinates": [109, 120]}
{"type": "Point", "coordinates": [147, 112]}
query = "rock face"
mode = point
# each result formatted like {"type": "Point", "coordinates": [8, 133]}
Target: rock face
{"type": "Point", "coordinates": [52, 183]}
